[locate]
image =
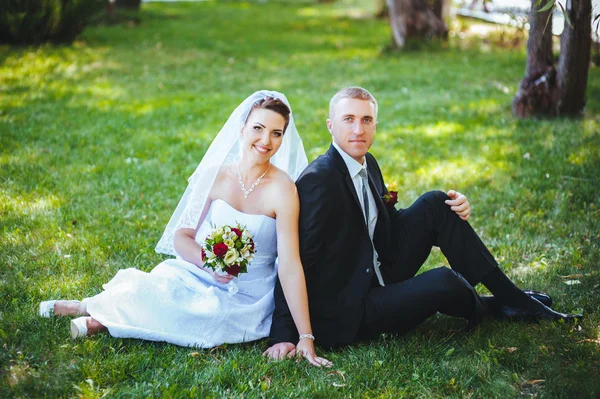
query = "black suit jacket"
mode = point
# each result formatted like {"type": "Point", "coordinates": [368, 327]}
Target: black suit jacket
{"type": "Point", "coordinates": [336, 250]}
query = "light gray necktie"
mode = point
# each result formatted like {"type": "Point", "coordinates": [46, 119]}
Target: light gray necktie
{"type": "Point", "coordinates": [365, 184]}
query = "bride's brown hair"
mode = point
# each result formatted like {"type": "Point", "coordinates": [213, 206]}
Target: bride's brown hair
{"type": "Point", "coordinates": [275, 105]}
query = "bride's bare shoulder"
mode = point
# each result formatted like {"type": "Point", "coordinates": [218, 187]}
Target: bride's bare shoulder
{"type": "Point", "coordinates": [283, 184]}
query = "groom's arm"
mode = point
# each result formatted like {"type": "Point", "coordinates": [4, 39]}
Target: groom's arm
{"type": "Point", "coordinates": [283, 328]}
{"type": "Point", "coordinates": [314, 208]}
{"type": "Point", "coordinates": [316, 203]}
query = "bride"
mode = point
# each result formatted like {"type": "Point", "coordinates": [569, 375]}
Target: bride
{"type": "Point", "coordinates": [246, 177]}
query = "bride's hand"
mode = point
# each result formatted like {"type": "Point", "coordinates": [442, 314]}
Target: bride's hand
{"type": "Point", "coordinates": [306, 349]}
{"type": "Point", "coordinates": [218, 278]}
{"type": "Point", "coordinates": [221, 279]}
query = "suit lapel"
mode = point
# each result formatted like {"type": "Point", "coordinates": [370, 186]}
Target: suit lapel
{"type": "Point", "coordinates": [378, 201]}
{"type": "Point", "coordinates": [382, 228]}
{"type": "Point", "coordinates": [350, 185]}
{"type": "Point", "coordinates": [339, 162]}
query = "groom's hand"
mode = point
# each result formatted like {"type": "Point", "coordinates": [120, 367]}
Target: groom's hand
{"type": "Point", "coordinates": [281, 351]}
{"type": "Point", "coordinates": [459, 204]}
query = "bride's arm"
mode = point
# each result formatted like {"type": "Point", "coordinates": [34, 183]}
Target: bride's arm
{"type": "Point", "coordinates": [291, 274]}
{"type": "Point", "coordinates": [186, 246]}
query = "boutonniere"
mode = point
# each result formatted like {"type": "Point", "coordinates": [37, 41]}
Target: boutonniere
{"type": "Point", "coordinates": [391, 198]}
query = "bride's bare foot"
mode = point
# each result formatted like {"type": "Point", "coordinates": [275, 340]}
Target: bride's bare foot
{"type": "Point", "coordinates": [94, 326]}
{"type": "Point", "coordinates": [69, 308]}
{"type": "Point", "coordinates": [84, 326]}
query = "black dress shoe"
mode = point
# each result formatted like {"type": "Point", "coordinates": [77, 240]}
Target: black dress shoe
{"type": "Point", "coordinates": [537, 311]}
{"type": "Point", "coordinates": [540, 296]}
{"type": "Point", "coordinates": [492, 304]}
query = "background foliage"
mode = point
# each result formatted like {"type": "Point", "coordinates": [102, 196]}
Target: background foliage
{"type": "Point", "coordinates": [97, 140]}
{"type": "Point", "coordinates": [38, 21]}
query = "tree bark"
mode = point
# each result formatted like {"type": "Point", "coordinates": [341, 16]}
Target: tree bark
{"type": "Point", "coordinates": [574, 62]}
{"type": "Point", "coordinates": [537, 91]}
{"type": "Point", "coordinates": [545, 91]}
{"type": "Point", "coordinates": [414, 18]}
{"type": "Point", "coordinates": [441, 8]}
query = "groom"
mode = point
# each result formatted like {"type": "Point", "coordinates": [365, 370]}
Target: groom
{"type": "Point", "coordinates": [361, 255]}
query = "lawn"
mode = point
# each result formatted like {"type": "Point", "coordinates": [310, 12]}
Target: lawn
{"type": "Point", "coordinates": [97, 140]}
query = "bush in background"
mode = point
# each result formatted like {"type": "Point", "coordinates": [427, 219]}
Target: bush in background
{"type": "Point", "coordinates": [37, 21]}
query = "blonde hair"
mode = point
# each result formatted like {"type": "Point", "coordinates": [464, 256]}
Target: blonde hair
{"type": "Point", "coordinates": [352, 92]}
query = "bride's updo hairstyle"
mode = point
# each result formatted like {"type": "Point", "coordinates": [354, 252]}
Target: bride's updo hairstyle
{"type": "Point", "coordinates": [275, 105]}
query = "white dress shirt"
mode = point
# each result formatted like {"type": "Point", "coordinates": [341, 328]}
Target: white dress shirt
{"type": "Point", "coordinates": [354, 169]}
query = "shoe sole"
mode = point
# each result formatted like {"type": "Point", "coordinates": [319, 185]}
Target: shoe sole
{"type": "Point", "coordinates": [46, 309]}
{"type": "Point", "coordinates": [74, 330]}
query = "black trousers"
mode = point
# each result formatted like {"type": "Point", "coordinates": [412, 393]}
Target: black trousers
{"type": "Point", "coordinates": [407, 299]}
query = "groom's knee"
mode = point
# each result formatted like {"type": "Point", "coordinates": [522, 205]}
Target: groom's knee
{"type": "Point", "coordinates": [435, 198]}
{"type": "Point", "coordinates": [437, 208]}
{"type": "Point", "coordinates": [448, 280]}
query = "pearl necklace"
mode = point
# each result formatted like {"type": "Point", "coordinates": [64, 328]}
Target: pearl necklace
{"type": "Point", "coordinates": [253, 186]}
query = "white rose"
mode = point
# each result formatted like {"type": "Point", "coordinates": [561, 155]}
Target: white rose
{"type": "Point", "coordinates": [231, 257]}
{"type": "Point", "coordinates": [245, 252]}
{"type": "Point", "coordinates": [218, 232]}
{"type": "Point", "coordinates": [209, 254]}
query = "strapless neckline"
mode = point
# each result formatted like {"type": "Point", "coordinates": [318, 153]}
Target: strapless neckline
{"type": "Point", "coordinates": [240, 212]}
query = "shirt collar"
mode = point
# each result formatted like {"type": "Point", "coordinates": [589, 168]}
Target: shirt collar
{"type": "Point", "coordinates": [354, 167]}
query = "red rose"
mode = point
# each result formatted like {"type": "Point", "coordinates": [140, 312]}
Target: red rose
{"type": "Point", "coordinates": [220, 249]}
{"type": "Point", "coordinates": [391, 198]}
{"type": "Point", "coordinates": [203, 254]}
{"type": "Point", "coordinates": [234, 270]}
{"type": "Point", "coordinates": [237, 231]}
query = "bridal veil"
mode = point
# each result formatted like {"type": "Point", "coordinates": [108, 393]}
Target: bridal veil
{"type": "Point", "coordinates": [225, 149]}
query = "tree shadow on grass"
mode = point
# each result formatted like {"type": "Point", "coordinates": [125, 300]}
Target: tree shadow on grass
{"type": "Point", "coordinates": [97, 143]}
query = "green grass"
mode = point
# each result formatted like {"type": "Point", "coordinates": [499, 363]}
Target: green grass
{"type": "Point", "coordinates": [98, 139]}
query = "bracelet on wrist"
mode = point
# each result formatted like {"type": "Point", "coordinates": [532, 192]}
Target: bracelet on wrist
{"type": "Point", "coordinates": [309, 336]}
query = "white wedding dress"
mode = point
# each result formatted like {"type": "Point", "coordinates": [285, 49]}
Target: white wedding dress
{"type": "Point", "coordinates": [179, 303]}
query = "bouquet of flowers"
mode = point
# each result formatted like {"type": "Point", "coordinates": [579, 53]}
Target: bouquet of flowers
{"type": "Point", "coordinates": [228, 250]}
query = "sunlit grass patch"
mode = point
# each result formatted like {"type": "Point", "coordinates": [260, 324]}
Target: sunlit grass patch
{"type": "Point", "coordinates": [97, 141]}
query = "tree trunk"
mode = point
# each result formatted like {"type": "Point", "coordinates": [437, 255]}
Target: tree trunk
{"type": "Point", "coordinates": [441, 8]}
{"type": "Point", "coordinates": [544, 91]}
{"type": "Point", "coordinates": [128, 4]}
{"type": "Point", "coordinates": [444, 9]}
{"type": "Point", "coordinates": [574, 63]}
{"type": "Point", "coordinates": [537, 91]}
{"type": "Point", "coordinates": [414, 18]}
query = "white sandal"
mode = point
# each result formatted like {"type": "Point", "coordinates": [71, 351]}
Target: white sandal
{"type": "Point", "coordinates": [79, 327]}
{"type": "Point", "coordinates": [47, 308]}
